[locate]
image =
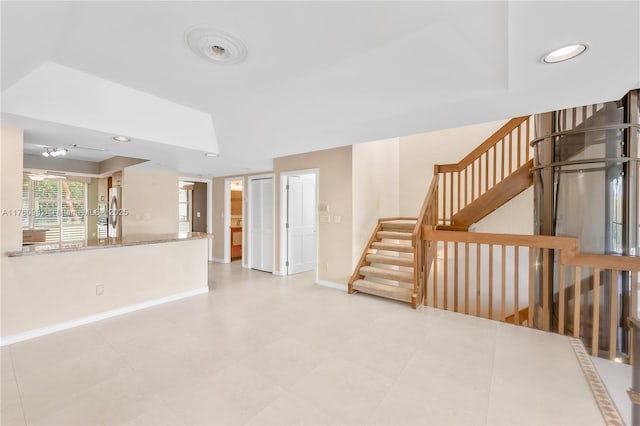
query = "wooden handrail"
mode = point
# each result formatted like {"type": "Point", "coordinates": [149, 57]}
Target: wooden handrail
{"type": "Point", "coordinates": [536, 241]}
{"type": "Point", "coordinates": [505, 303]}
{"type": "Point", "coordinates": [496, 137]}
{"type": "Point", "coordinates": [428, 199]}
{"type": "Point", "coordinates": [601, 261]}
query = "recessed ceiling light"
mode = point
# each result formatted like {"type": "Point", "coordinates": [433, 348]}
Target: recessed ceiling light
{"type": "Point", "coordinates": [215, 45]}
{"type": "Point", "coordinates": [210, 154]}
{"type": "Point", "coordinates": [121, 139]}
{"type": "Point", "coordinates": [565, 53]}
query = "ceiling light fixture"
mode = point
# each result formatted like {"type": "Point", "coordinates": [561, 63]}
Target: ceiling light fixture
{"type": "Point", "coordinates": [121, 139]}
{"type": "Point", "coordinates": [54, 152]}
{"type": "Point", "coordinates": [565, 53]}
{"type": "Point", "coordinates": [210, 154]}
{"type": "Point", "coordinates": [215, 45]}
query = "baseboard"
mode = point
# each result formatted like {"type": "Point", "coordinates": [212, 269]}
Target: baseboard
{"type": "Point", "coordinates": [333, 285]}
{"type": "Point", "coordinates": [218, 260]}
{"type": "Point", "coordinates": [279, 273]}
{"type": "Point", "coordinates": [31, 334]}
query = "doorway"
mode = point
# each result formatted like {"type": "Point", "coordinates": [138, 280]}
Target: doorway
{"type": "Point", "coordinates": [195, 198]}
{"type": "Point", "coordinates": [233, 219]}
{"type": "Point", "coordinates": [299, 219]}
{"type": "Point", "coordinates": [261, 235]}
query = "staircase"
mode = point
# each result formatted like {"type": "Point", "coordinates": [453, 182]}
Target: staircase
{"type": "Point", "coordinates": [493, 199]}
{"type": "Point", "coordinates": [433, 260]}
{"type": "Point", "coordinates": [387, 266]}
{"type": "Point", "coordinates": [393, 264]}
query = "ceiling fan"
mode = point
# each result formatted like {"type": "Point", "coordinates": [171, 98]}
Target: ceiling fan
{"type": "Point", "coordinates": [40, 175]}
{"type": "Point", "coordinates": [88, 148]}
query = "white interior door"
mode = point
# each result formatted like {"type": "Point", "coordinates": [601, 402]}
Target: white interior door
{"type": "Point", "coordinates": [262, 224]}
{"type": "Point", "coordinates": [301, 223]}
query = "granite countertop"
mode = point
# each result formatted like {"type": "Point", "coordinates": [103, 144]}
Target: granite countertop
{"type": "Point", "coordinates": [71, 246]}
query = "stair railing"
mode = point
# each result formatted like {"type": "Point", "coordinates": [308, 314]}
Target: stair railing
{"type": "Point", "coordinates": [421, 253]}
{"type": "Point", "coordinates": [495, 159]}
{"type": "Point", "coordinates": [492, 276]}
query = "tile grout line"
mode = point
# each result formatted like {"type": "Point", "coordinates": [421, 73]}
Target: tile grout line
{"type": "Point", "coordinates": [607, 408]}
{"type": "Point", "coordinates": [493, 363]}
{"type": "Point", "coordinates": [15, 377]}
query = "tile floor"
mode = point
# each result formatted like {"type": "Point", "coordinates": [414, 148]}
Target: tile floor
{"type": "Point", "coordinates": [266, 350]}
{"type": "Point", "coordinates": [617, 379]}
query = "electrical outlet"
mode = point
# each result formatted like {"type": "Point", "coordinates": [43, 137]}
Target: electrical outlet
{"type": "Point", "coordinates": [99, 290]}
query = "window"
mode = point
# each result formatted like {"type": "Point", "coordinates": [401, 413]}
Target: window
{"type": "Point", "coordinates": [58, 205]}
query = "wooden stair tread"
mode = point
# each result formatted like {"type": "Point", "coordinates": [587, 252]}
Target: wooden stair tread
{"type": "Point", "coordinates": [388, 274]}
{"type": "Point", "coordinates": [390, 260]}
{"type": "Point", "coordinates": [393, 235]}
{"type": "Point", "coordinates": [399, 224]}
{"type": "Point", "coordinates": [403, 248]}
{"type": "Point", "coordinates": [500, 194]}
{"type": "Point", "coordinates": [383, 290]}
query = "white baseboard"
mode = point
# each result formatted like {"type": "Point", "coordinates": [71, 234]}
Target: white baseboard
{"type": "Point", "coordinates": [31, 334]}
{"type": "Point", "coordinates": [333, 285]}
{"type": "Point", "coordinates": [219, 260]}
{"type": "Point", "coordinates": [279, 273]}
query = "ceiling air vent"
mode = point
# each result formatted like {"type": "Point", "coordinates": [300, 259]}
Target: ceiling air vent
{"type": "Point", "coordinates": [215, 45]}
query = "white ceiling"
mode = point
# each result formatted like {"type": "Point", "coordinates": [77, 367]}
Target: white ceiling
{"type": "Point", "coordinates": [327, 74]}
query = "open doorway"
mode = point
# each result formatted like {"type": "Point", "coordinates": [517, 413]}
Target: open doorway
{"type": "Point", "coordinates": [233, 219]}
{"type": "Point", "coordinates": [185, 206]}
{"type": "Point", "coordinates": [192, 206]}
{"type": "Point", "coordinates": [299, 219]}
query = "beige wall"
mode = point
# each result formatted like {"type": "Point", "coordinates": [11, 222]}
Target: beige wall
{"type": "Point", "coordinates": [151, 198]}
{"type": "Point", "coordinates": [376, 188]}
{"type": "Point", "coordinates": [117, 163]}
{"type": "Point", "coordinates": [218, 218]}
{"type": "Point", "coordinates": [130, 275]}
{"type": "Point", "coordinates": [419, 153]}
{"type": "Point", "coordinates": [515, 217]}
{"type": "Point", "coordinates": [11, 188]}
{"type": "Point", "coordinates": [335, 239]}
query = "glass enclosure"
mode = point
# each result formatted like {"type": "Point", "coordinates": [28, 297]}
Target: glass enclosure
{"type": "Point", "coordinates": [586, 185]}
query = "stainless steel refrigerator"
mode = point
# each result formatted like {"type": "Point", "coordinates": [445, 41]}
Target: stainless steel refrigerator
{"type": "Point", "coordinates": [114, 228]}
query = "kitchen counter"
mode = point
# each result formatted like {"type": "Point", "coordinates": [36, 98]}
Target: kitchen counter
{"type": "Point", "coordinates": [72, 246]}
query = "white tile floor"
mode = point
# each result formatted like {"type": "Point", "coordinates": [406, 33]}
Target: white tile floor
{"type": "Point", "coordinates": [266, 350]}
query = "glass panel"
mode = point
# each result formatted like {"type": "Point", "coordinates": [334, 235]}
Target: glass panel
{"type": "Point", "coordinates": [46, 189]}
{"type": "Point", "coordinates": [46, 213]}
{"type": "Point", "coordinates": [73, 212]}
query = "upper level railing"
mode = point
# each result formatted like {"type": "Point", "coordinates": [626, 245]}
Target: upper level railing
{"type": "Point", "coordinates": [492, 276]}
{"type": "Point", "coordinates": [487, 165]}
